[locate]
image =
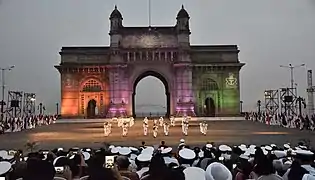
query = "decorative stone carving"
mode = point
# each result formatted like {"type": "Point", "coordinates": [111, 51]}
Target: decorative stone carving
{"type": "Point", "coordinates": [231, 81]}
{"type": "Point", "coordinates": [149, 41]}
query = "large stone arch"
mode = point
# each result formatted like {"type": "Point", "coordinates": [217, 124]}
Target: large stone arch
{"type": "Point", "coordinates": [159, 76]}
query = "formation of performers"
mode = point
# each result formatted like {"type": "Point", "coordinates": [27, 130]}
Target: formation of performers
{"type": "Point", "coordinates": [293, 121]}
{"type": "Point", "coordinates": [28, 122]}
{"type": "Point", "coordinates": [126, 123]}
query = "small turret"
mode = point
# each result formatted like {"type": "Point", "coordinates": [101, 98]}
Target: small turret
{"type": "Point", "coordinates": [182, 24]}
{"type": "Point", "coordinates": [115, 21]}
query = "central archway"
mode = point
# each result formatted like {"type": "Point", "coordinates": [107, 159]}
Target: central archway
{"type": "Point", "coordinates": [91, 109]}
{"type": "Point", "coordinates": [209, 107]}
{"type": "Point", "coordinates": [162, 79]}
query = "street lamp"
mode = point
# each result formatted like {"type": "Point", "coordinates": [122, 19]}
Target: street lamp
{"type": "Point", "coordinates": [241, 106]}
{"type": "Point", "coordinates": [292, 67]}
{"type": "Point", "coordinates": [3, 70]}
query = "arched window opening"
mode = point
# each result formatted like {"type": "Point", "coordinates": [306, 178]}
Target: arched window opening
{"type": "Point", "coordinates": [92, 86]}
{"type": "Point", "coordinates": [209, 84]}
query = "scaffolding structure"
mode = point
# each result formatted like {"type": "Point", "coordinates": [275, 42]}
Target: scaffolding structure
{"type": "Point", "coordinates": [14, 108]}
{"type": "Point", "coordinates": [271, 101]}
{"type": "Point", "coordinates": [310, 93]}
{"type": "Point", "coordinates": [29, 106]}
{"type": "Point", "coordinates": [288, 101]}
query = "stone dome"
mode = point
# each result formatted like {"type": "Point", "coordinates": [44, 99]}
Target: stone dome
{"type": "Point", "coordinates": [115, 14]}
{"type": "Point", "coordinates": [182, 13]}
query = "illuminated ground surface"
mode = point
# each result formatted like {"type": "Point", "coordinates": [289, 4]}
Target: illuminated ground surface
{"type": "Point", "coordinates": [91, 135]}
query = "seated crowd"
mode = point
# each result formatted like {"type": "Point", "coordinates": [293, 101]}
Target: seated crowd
{"type": "Point", "coordinates": [211, 162]}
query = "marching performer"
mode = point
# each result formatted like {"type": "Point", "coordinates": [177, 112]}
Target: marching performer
{"type": "Point", "coordinates": [155, 130]}
{"type": "Point", "coordinates": [161, 120]}
{"type": "Point", "coordinates": [107, 128]}
{"type": "Point", "coordinates": [131, 121]}
{"type": "Point", "coordinates": [166, 128]}
{"type": "Point", "coordinates": [145, 126]}
{"type": "Point", "coordinates": [125, 129]}
{"type": "Point", "coordinates": [172, 121]}
{"type": "Point", "coordinates": [120, 122]}
{"type": "Point", "coordinates": [183, 124]}
{"type": "Point", "coordinates": [204, 128]}
{"type": "Point", "coordinates": [186, 125]}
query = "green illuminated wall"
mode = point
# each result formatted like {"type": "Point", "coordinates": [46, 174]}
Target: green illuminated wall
{"type": "Point", "coordinates": [226, 97]}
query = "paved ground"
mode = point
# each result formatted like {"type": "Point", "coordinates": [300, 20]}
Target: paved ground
{"type": "Point", "coordinates": [91, 135]}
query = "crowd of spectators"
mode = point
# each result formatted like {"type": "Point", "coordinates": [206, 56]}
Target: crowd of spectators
{"type": "Point", "coordinates": [211, 162]}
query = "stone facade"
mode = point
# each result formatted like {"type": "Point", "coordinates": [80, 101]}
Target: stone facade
{"type": "Point", "coordinates": [199, 80]}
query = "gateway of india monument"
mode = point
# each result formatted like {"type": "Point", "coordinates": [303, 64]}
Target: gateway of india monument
{"type": "Point", "coordinates": [199, 80]}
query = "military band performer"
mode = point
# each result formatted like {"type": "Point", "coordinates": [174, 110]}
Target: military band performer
{"type": "Point", "coordinates": [155, 130]}
{"type": "Point", "coordinates": [183, 124]}
{"type": "Point", "coordinates": [161, 121]}
{"type": "Point", "coordinates": [125, 126]}
{"type": "Point", "coordinates": [204, 128]}
{"type": "Point", "coordinates": [145, 126]}
{"type": "Point", "coordinates": [166, 128]}
{"type": "Point", "coordinates": [131, 121]}
{"type": "Point", "coordinates": [107, 128]}
{"type": "Point", "coordinates": [185, 127]}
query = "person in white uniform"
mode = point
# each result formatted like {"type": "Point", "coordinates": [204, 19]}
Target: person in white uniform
{"type": "Point", "coordinates": [155, 130]}
{"type": "Point", "coordinates": [166, 128]}
{"type": "Point", "coordinates": [161, 121]}
{"type": "Point", "coordinates": [125, 129]}
{"type": "Point", "coordinates": [131, 121]}
{"type": "Point", "coordinates": [204, 128]}
{"type": "Point", "coordinates": [107, 127]}
{"type": "Point", "coordinates": [145, 126]}
{"type": "Point", "coordinates": [186, 125]}
{"type": "Point", "coordinates": [172, 121]}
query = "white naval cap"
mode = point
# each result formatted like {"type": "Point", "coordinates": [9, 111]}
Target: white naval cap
{"type": "Point", "coordinates": [111, 147]}
{"type": "Point", "coordinates": [133, 149]}
{"type": "Point", "coordinates": [209, 145]}
{"type": "Point", "coordinates": [60, 149]}
{"type": "Point", "coordinates": [252, 146]}
{"type": "Point", "coordinates": [86, 156]}
{"type": "Point", "coordinates": [242, 147]}
{"type": "Point", "coordinates": [3, 153]}
{"type": "Point", "coordinates": [287, 146]}
{"type": "Point", "coordinates": [169, 160]}
{"type": "Point", "coordinates": [217, 171]}
{"type": "Point", "coordinates": [166, 150]}
{"type": "Point", "coordinates": [187, 154]}
{"type": "Point", "coordinates": [4, 167]}
{"type": "Point", "coordinates": [148, 150]}
{"type": "Point", "coordinates": [268, 148]}
{"type": "Point", "coordinates": [244, 156]}
{"type": "Point", "coordinates": [193, 173]}
{"type": "Point", "coordinates": [144, 157]}
{"type": "Point", "coordinates": [304, 152]}
{"type": "Point", "coordinates": [124, 151]}
{"type": "Point", "coordinates": [114, 150]}
{"type": "Point", "coordinates": [225, 148]}
{"type": "Point", "coordinates": [280, 154]}
{"type": "Point", "coordinates": [182, 141]}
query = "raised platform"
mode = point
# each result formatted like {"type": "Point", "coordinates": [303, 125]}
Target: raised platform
{"type": "Point", "coordinates": [177, 119]}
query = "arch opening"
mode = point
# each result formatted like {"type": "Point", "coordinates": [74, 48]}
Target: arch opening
{"type": "Point", "coordinates": [91, 109]}
{"type": "Point", "coordinates": [209, 107]}
{"type": "Point", "coordinates": [148, 95]}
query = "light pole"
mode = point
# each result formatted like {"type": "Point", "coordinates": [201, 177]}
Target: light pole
{"type": "Point", "coordinates": [292, 67]}
{"type": "Point", "coordinates": [3, 70]}
{"type": "Point", "coordinates": [241, 107]}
